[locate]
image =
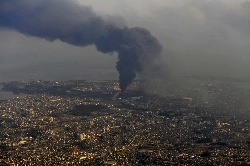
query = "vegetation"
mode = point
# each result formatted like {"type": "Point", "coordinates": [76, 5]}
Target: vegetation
{"type": "Point", "coordinates": [86, 110]}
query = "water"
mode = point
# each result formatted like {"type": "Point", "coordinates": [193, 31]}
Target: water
{"type": "Point", "coordinates": [8, 95]}
{"type": "Point", "coordinates": [60, 75]}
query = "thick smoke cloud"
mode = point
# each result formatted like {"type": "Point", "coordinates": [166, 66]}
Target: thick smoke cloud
{"type": "Point", "coordinates": [69, 22]}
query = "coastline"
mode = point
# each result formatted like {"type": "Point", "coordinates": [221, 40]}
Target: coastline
{"type": "Point", "coordinates": [8, 95]}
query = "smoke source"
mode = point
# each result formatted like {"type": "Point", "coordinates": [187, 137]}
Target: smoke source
{"type": "Point", "coordinates": [78, 25]}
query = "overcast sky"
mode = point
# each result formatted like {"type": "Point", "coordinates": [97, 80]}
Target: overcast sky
{"type": "Point", "coordinates": [199, 38]}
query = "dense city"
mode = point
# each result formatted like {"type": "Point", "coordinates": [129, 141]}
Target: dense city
{"type": "Point", "coordinates": [93, 123]}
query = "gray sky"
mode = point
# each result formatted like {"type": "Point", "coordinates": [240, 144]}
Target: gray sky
{"type": "Point", "coordinates": [199, 37]}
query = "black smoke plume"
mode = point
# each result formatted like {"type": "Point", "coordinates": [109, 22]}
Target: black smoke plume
{"type": "Point", "coordinates": [78, 25]}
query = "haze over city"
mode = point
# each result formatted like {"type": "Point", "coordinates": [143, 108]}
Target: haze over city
{"type": "Point", "coordinates": [198, 38]}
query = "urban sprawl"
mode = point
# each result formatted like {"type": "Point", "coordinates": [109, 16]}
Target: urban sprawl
{"type": "Point", "coordinates": [92, 123]}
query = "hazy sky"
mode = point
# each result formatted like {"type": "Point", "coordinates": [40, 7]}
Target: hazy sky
{"type": "Point", "coordinates": [199, 37]}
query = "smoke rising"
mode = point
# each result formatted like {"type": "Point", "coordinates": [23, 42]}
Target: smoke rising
{"type": "Point", "coordinates": [69, 22]}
